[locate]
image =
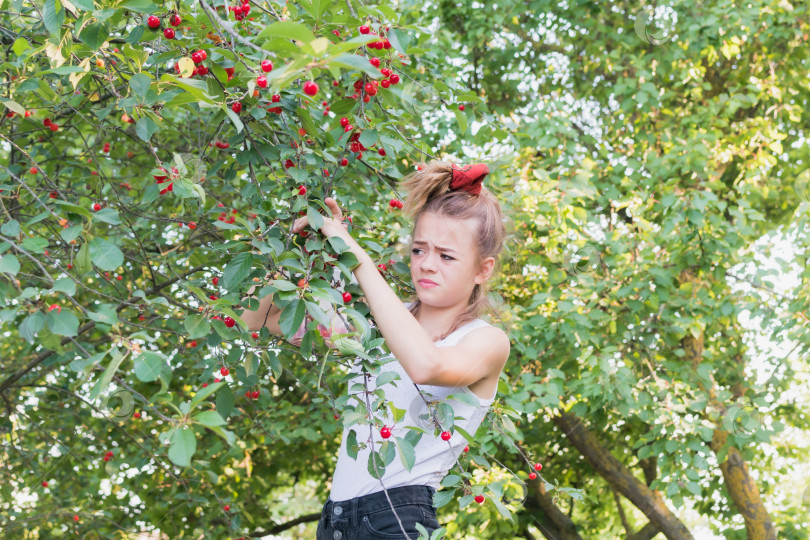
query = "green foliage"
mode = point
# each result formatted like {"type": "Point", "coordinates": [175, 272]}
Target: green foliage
{"type": "Point", "coordinates": [635, 225]}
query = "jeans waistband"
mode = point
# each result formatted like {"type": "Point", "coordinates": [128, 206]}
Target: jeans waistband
{"type": "Point", "coordinates": [347, 511]}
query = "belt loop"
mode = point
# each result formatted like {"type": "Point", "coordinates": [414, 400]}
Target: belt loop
{"type": "Point", "coordinates": [353, 522]}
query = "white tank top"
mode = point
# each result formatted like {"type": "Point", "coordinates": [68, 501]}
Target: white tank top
{"type": "Point", "coordinates": [434, 457]}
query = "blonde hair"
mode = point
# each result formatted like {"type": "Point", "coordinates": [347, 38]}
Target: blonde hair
{"type": "Point", "coordinates": [429, 191]}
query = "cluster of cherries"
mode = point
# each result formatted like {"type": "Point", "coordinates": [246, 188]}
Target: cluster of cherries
{"type": "Point", "coordinates": [252, 395]}
{"type": "Point", "coordinates": [153, 23]}
{"type": "Point", "coordinates": [163, 178]}
{"type": "Point", "coordinates": [240, 11]}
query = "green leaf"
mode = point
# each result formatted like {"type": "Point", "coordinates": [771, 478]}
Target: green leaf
{"type": "Point", "coordinates": [461, 118]}
{"type": "Point", "coordinates": [225, 402]}
{"type": "Point", "coordinates": [94, 35]}
{"type": "Point", "coordinates": [105, 255]}
{"type": "Point", "coordinates": [399, 40]}
{"type": "Point", "coordinates": [63, 323]}
{"type": "Point", "coordinates": [351, 444]}
{"type": "Point", "coordinates": [14, 106]}
{"type": "Point", "coordinates": [440, 498]}
{"type": "Point", "coordinates": [315, 218]}
{"type": "Point", "coordinates": [376, 465]}
{"type": "Point", "coordinates": [235, 119]}
{"type": "Point", "coordinates": [464, 397]}
{"type": "Point", "coordinates": [148, 365]}
{"type": "Point", "coordinates": [85, 5]}
{"type": "Point", "coordinates": [368, 138]}
{"type": "Point", "coordinates": [139, 84]}
{"type": "Point", "coordinates": [108, 215]}
{"type": "Point", "coordinates": [53, 16]}
{"type": "Point", "coordinates": [209, 419]}
{"type": "Point", "coordinates": [288, 30]}
{"type": "Point", "coordinates": [145, 128]}
{"type": "Point", "coordinates": [237, 270]}
{"type": "Point", "coordinates": [31, 325]}
{"type": "Point", "coordinates": [197, 326]}
{"type": "Point", "coordinates": [183, 446]}
{"type": "Point", "coordinates": [107, 376]}
{"type": "Point", "coordinates": [65, 285]}
{"type": "Point", "coordinates": [450, 480]}
{"type": "Point", "coordinates": [9, 264]}
{"type": "Point", "coordinates": [353, 61]}
{"type": "Point", "coordinates": [11, 227]}
{"type": "Point", "coordinates": [83, 263]}
{"type": "Point", "coordinates": [291, 317]}
{"type": "Point", "coordinates": [105, 314]}
{"type": "Point", "coordinates": [204, 393]}
{"type": "Point", "coordinates": [406, 453]}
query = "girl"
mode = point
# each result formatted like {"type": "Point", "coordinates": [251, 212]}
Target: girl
{"type": "Point", "coordinates": [440, 344]}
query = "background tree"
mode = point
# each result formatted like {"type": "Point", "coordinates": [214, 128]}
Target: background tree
{"type": "Point", "coordinates": [154, 169]}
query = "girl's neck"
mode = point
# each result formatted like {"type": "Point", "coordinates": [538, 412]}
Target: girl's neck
{"type": "Point", "coordinates": [437, 321]}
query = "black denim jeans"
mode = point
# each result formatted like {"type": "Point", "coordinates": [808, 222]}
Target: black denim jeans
{"type": "Point", "coordinates": [371, 516]}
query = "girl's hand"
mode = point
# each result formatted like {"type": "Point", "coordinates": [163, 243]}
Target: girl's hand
{"type": "Point", "coordinates": [333, 226]}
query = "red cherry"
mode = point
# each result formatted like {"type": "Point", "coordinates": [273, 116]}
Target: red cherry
{"type": "Point", "coordinates": [336, 416]}
{"type": "Point", "coordinates": [466, 448]}
{"type": "Point", "coordinates": [348, 128]}
{"type": "Point", "coordinates": [53, 126]}
{"type": "Point", "coordinates": [75, 518]}
{"type": "Point", "coordinates": [289, 163]}
{"type": "Point", "coordinates": [255, 335]}
{"type": "Point", "coordinates": [310, 88]}
{"type": "Point", "coordinates": [168, 33]}
{"type": "Point", "coordinates": [226, 507]}
{"type": "Point", "coordinates": [537, 467]}
{"type": "Point", "coordinates": [394, 78]}
{"type": "Point", "coordinates": [96, 207]}
{"type": "Point", "coordinates": [175, 20]}
{"type": "Point", "coordinates": [192, 225]}
{"type": "Point", "coordinates": [532, 476]}
{"type": "Point", "coordinates": [204, 385]}
{"type": "Point", "coordinates": [381, 151]}
{"type": "Point", "coordinates": [229, 322]}
{"type": "Point", "coordinates": [254, 394]}
{"type": "Point", "coordinates": [214, 280]}
{"type": "Point", "coordinates": [119, 278]}
{"type": "Point", "coordinates": [461, 107]}
{"type": "Point", "coordinates": [276, 98]}
{"type": "Point", "coordinates": [229, 70]}
{"type": "Point", "coordinates": [44, 483]}
{"type": "Point", "coordinates": [247, 394]}
{"type": "Point", "coordinates": [344, 122]}
{"type": "Point", "coordinates": [153, 22]}
{"type": "Point", "coordinates": [385, 83]}
{"type": "Point", "coordinates": [267, 66]}
{"type": "Point", "coordinates": [375, 62]}
{"type": "Point", "coordinates": [224, 371]}
{"type": "Point", "coordinates": [364, 29]}
{"type": "Point", "coordinates": [385, 432]}
{"type": "Point", "coordinates": [261, 81]}
{"type": "Point", "coordinates": [196, 57]}
{"type": "Point", "coordinates": [344, 162]}
{"type": "Point", "coordinates": [347, 297]}
{"type": "Point", "coordinates": [382, 268]}
{"type": "Point", "coordinates": [479, 499]}
{"type": "Point", "coordinates": [446, 435]}
{"type": "Point", "coordinates": [192, 343]}
{"type": "Point", "coordinates": [335, 83]}
{"type": "Point", "coordinates": [237, 107]}
{"type": "Point", "coordinates": [217, 379]}
{"type": "Point", "coordinates": [302, 190]}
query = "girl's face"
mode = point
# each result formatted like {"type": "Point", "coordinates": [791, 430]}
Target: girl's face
{"type": "Point", "coordinates": [443, 251]}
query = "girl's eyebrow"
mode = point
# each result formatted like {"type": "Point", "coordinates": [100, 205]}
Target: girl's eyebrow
{"type": "Point", "coordinates": [422, 242]}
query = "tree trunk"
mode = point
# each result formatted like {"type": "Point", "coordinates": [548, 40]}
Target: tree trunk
{"type": "Point", "coordinates": [740, 486]}
{"type": "Point", "coordinates": [743, 491]}
{"type": "Point", "coordinates": [552, 522]}
{"type": "Point", "coordinates": [620, 478]}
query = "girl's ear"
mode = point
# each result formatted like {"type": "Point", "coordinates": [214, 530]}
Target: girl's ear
{"type": "Point", "coordinates": [486, 268]}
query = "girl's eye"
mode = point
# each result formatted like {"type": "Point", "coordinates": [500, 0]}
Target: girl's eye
{"type": "Point", "coordinates": [414, 250]}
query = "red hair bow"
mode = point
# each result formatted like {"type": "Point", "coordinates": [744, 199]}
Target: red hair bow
{"type": "Point", "coordinates": [469, 178]}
